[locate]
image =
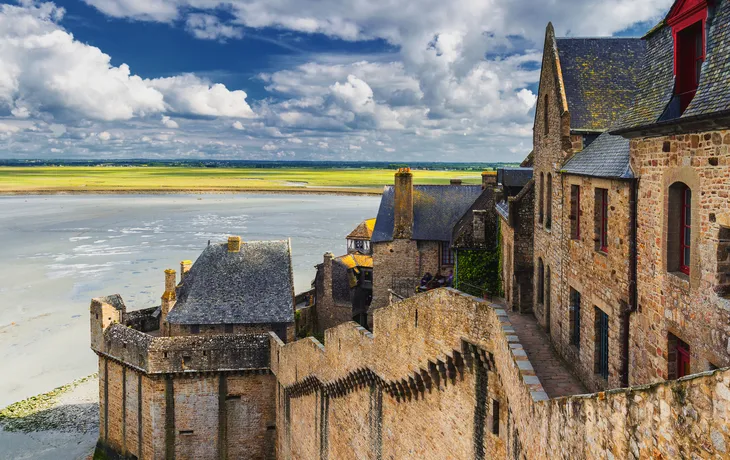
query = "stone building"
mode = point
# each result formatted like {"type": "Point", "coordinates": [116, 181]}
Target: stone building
{"type": "Point", "coordinates": [629, 240]}
{"type": "Point", "coordinates": [680, 151]}
{"type": "Point", "coordinates": [359, 239]}
{"type": "Point", "coordinates": [343, 290]}
{"type": "Point", "coordinates": [581, 210]}
{"type": "Point", "coordinates": [201, 387]}
{"type": "Point", "coordinates": [413, 232]}
{"type": "Point", "coordinates": [516, 212]}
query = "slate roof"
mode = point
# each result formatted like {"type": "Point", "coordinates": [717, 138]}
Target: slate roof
{"type": "Point", "coordinates": [502, 208]}
{"type": "Point", "coordinates": [364, 231]}
{"type": "Point", "coordinates": [436, 208]}
{"type": "Point", "coordinates": [600, 76]}
{"type": "Point", "coordinates": [252, 286]}
{"type": "Point", "coordinates": [514, 177]}
{"type": "Point", "coordinates": [607, 156]}
{"type": "Point", "coordinates": [656, 85]}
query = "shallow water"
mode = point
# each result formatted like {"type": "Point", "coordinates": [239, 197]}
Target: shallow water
{"type": "Point", "coordinates": [57, 252]}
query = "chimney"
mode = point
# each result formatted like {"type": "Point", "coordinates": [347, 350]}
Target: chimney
{"type": "Point", "coordinates": [403, 204]}
{"type": "Point", "coordinates": [185, 268]}
{"type": "Point", "coordinates": [234, 244]}
{"type": "Point", "coordinates": [327, 276]}
{"type": "Point", "coordinates": [168, 298]}
{"type": "Point", "coordinates": [455, 182]}
{"type": "Point", "coordinates": [479, 222]}
{"type": "Point", "coordinates": [489, 179]}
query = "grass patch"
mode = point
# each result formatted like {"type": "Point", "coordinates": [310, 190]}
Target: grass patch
{"type": "Point", "coordinates": [51, 179]}
{"type": "Point", "coordinates": [23, 415]}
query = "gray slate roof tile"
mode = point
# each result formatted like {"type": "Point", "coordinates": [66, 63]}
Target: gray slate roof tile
{"type": "Point", "coordinates": [252, 286]}
{"type": "Point", "coordinates": [607, 156]}
{"type": "Point", "coordinates": [600, 76]}
{"type": "Point", "coordinates": [436, 208]}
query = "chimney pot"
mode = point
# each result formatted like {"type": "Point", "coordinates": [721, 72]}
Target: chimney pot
{"type": "Point", "coordinates": [489, 179]}
{"type": "Point", "coordinates": [234, 244]}
{"type": "Point", "coordinates": [403, 204]}
{"type": "Point", "coordinates": [185, 268]}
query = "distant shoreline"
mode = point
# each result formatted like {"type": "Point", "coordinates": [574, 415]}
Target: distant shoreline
{"type": "Point", "coordinates": [291, 191]}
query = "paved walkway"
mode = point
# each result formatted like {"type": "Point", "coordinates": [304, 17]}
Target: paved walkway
{"type": "Point", "coordinates": [552, 371]}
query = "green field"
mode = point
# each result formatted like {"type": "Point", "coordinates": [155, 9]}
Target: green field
{"type": "Point", "coordinates": [105, 179]}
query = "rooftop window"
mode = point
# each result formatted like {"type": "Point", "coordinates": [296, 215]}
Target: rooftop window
{"type": "Point", "coordinates": [688, 29]}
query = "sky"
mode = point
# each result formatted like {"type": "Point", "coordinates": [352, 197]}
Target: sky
{"type": "Point", "coordinates": [379, 80]}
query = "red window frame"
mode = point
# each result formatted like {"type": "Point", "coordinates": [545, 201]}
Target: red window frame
{"type": "Point", "coordinates": [682, 359]}
{"type": "Point", "coordinates": [685, 231]}
{"type": "Point", "coordinates": [604, 220]}
{"type": "Point", "coordinates": [575, 210]}
{"type": "Point", "coordinates": [687, 14]}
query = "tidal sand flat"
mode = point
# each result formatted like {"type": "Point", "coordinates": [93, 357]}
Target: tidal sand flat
{"type": "Point", "coordinates": [60, 251]}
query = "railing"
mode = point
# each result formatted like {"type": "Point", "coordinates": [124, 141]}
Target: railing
{"type": "Point", "coordinates": [476, 291]}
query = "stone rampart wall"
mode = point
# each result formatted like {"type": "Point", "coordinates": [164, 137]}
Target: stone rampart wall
{"type": "Point", "coordinates": [417, 390]}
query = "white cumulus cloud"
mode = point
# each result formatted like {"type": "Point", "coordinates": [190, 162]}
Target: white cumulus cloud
{"type": "Point", "coordinates": [169, 122]}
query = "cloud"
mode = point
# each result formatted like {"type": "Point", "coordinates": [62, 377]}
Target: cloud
{"type": "Point", "coordinates": [169, 122]}
{"type": "Point", "coordinates": [189, 94]}
{"type": "Point", "coordinates": [104, 136]}
{"type": "Point", "coordinates": [44, 71]}
{"type": "Point", "coordinates": [269, 147]}
{"type": "Point", "coordinates": [209, 27]}
{"type": "Point", "coordinates": [237, 125]}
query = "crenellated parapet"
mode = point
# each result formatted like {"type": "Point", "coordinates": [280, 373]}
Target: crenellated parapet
{"type": "Point", "coordinates": [432, 363]}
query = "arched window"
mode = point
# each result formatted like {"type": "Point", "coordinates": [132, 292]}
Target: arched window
{"type": "Point", "coordinates": [540, 201]}
{"type": "Point", "coordinates": [545, 121]}
{"type": "Point", "coordinates": [547, 299]}
{"type": "Point", "coordinates": [540, 281]}
{"type": "Point", "coordinates": [679, 228]}
{"type": "Point", "coordinates": [549, 211]}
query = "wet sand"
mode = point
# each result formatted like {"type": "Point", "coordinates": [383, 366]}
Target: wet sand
{"type": "Point", "coordinates": [60, 251]}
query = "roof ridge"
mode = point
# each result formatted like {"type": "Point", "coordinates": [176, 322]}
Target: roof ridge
{"type": "Point", "coordinates": [598, 38]}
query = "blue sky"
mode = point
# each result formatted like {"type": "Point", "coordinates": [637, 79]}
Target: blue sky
{"type": "Point", "coordinates": [421, 80]}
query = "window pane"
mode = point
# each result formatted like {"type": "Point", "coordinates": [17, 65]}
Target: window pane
{"type": "Point", "coordinates": [686, 256]}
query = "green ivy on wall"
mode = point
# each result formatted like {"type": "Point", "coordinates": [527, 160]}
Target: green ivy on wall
{"type": "Point", "coordinates": [479, 270]}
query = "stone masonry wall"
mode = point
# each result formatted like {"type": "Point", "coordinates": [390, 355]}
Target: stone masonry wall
{"type": "Point", "coordinates": [192, 416]}
{"type": "Point", "coordinates": [386, 395]}
{"type": "Point", "coordinates": [689, 307]}
{"type": "Point", "coordinates": [402, 259]}
{"type": "Point", "coordinates": [602, 279]}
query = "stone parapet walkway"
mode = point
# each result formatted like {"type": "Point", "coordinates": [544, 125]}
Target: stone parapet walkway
{"type": "Point", "coordinates": [553, 372]}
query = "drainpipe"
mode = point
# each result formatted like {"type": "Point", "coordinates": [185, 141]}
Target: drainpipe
{"type": "Point", "coordinates": [633, 292]}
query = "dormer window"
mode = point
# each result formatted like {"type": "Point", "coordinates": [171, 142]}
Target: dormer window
{"type": "Point", "coordinates": [688, 29]}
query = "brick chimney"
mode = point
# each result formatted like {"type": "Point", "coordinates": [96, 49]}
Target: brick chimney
{"type": "Point", "coordinates": [327, 275]}
{"type": "Point", "coordinates": [403, 204]}
{"type": "Point", "coordinates": [185, 268]}
{"type": "Point", "coordinates": [489, 179]}
{"type": "Point", "coordinates": [234, 244]}
{"type": "Point", "coordinates": [168, 298]}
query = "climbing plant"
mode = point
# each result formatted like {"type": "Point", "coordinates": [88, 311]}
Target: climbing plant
{"type": "Point", "coordinates": [479, 270]}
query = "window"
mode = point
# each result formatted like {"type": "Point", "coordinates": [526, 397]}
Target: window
{"type": "Point", "coordinates": [359, 245]}
{"type": "Point", "coordinates": [540, 201]}
{"type": "Point", "coordinates": [195, 328]}
{"type": "Point", "coordinates": [677, 357]}
{"type": "Point", "coordinates": [575, 318]}
{"type": "Point", "coordinates": [447, 255]}
{"type": "Point", "coordinates": [229, 328]}
{"type": "Point", "coordinates": [547, 297]}
{"type": "Point", "coordinates": [540, 281]}
{"type": "Point", "coordinates": [689, 56]}
{"type": "Point", "coordinates": [495, 417]}
{"type": "Point", "coordinates": [575, 212]}
{"type": "Point", "coordinates": [679, 228]}
{"type": "Point", "coordinates": [723, 262]}
{"type": "Point", "coordinates": [685, 231]}
{"type": "Point", "coordinates": [545, 115]}
{"type": "Point", "coordinates": [601, 219]}
{"type": "Point", "coordinates": [601, 339]}
{"type": "Point", "coordinates": [549, 212]}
